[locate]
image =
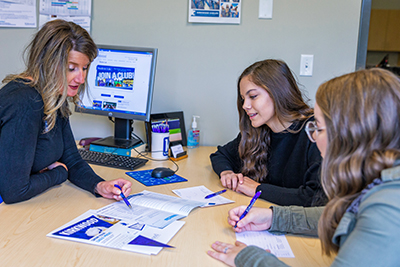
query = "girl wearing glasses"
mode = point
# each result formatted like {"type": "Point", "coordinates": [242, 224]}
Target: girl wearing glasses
{"type": "Point", "coordinates": [272, 153]}
{"type": "Point", "coordinates": [357, 131]}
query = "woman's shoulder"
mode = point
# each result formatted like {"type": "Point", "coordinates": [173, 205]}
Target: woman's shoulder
{"type": "Point", "coordinates": [19, 99]}
{"type": "Point", "coordinates": [384, 195]}
{"type": "Point", "coordinates": [300, 124]}
{"type": "Point", "coordinates": [18, 92]}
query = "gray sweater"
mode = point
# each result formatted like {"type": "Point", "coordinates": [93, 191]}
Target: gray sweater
{"type": "Point", "coordinates": [370, 237]}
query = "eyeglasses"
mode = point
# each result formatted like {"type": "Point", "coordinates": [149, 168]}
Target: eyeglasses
{"type": "Point", "coordinates": [312, 127]}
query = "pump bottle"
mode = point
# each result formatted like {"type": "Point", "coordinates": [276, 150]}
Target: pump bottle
{"type": "Point", "coordinates": [193, 134]}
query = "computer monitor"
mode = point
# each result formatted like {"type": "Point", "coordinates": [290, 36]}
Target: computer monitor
{"type": "Point", "coordinates": [120, 85]}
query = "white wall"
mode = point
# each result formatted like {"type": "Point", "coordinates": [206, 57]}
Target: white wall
{"type": "Point", "coordinates": [198, 64]}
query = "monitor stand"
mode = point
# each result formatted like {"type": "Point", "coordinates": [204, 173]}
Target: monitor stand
{"type": "Point", "coordinates": [122, 136]}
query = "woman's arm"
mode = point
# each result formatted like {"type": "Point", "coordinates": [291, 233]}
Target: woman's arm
{"type": "Point", "coordinates": [79, 172]}
{"type": "Point", "coordinates": [226, 158]}
{"type": "Point", "coordinates": [301, 196]}
{"type": "Point", "coordinates": [21, 124]}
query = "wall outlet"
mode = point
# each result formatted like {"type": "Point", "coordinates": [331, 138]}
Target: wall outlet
{"type": "Point", "coordinates": [306, 65]}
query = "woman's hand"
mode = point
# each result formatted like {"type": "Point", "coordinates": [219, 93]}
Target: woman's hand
{"type": "Point", "coordinates": [248, 186]}
{"type": "Point", "coordinates": [226, 252]}
{"type": "Point", "coordinates": [52, 166]}
{"type": "Point", "coordinates": [231, 180]}
{"type": "Point", "coordinates": [258, 219]}
{"type": "Point", "coordinates": [108, 190]}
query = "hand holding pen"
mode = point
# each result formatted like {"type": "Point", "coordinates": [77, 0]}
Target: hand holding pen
{"type": "Point", "coordinates": [123, 197]}
{"type": "Point", "coordinates": [253, 200]}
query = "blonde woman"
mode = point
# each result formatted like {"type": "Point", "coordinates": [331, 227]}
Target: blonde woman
{"type": "Point", "coordinates": [37, 147]}
{"type": "Point", "coordinates": [356, 128]}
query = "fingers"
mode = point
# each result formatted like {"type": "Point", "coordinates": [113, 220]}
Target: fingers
{"type": "Point", "coordinates": [221, 247]}
{"type": "Point", "coordinates": [240, 178]}
{"type": "Point", "coordinates": [124, 185]}
{"type": "Point", "coordinates": [226, 252]}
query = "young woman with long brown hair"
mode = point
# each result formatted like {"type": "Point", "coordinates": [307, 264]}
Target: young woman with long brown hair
{"type": "Point", "coordinates": [271, 152]}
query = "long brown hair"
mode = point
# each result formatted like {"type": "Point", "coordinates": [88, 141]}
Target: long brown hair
{"type": "Point", "coordinates": [47, 64]}
{"type": "Point", "coordinates": [361, 112]}
{"type": "Point", "coordinates": [277, 79]}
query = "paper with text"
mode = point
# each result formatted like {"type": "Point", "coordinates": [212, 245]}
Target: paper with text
{"type": "Point", "coordinates": [277, 244]}
{"type": "Point", "coordinates": [198, 193]}
{"type": "Point", "coordinates": [149, 208]}
{"type": "Point", "coordinates": [94, 229]}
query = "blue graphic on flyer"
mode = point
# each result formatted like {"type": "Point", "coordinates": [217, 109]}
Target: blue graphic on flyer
{"type": "Point", "coordinates": [115, 77]}
{"type": "Point", "coordinates": [88, 227]}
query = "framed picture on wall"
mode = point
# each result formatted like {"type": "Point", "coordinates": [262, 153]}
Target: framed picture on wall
{"type": "Point", "coordinates": [176, 123]}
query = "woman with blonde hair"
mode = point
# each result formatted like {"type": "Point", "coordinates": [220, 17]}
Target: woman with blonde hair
{"type": "Point", "coordinates": [37, 147]}
{"type": "Point", "coordinates": [356, 128]}
{"type": "Point", "coordinates": [271, 154]}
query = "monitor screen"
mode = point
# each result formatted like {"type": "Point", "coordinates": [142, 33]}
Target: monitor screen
{"type": "Point", "coordinates": [120, 85]}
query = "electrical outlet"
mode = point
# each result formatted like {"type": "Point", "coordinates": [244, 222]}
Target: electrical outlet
{"type": "Point", "coordinates": [306, 65]}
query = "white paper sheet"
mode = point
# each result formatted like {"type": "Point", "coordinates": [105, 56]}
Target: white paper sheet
{"type": "Point", "coordinates": [198, 193]}
{"type": "Point", "coordinates": [277, 244]}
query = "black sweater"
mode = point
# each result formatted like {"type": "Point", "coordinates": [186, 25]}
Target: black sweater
{"type": "Point", "coordinates": [25, 150]}
{"type": "Point", "coordinates": [293, 167]}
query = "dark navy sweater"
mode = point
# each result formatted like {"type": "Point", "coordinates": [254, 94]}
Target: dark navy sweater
{"type": "Point", "coordinates": [293, 167]}
{"type": "Point", "coordinates": [25, 149]}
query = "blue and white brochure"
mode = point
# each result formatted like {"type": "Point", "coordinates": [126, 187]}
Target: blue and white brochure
{"type": "Point", "coordinates": [152, 209]}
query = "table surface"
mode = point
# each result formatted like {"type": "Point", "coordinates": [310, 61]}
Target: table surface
{"type": "Point", "coordinates": [24, 226]}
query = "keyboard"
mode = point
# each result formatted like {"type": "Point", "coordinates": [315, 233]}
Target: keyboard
{"type": "Point", "coordinates": [110, 160]}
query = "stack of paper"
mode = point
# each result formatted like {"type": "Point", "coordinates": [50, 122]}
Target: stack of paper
{"type": "Point", "coordinates": [146, 228]}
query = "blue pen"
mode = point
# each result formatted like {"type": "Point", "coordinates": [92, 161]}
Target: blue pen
{"type": "Point", "coordinates": [123, 196]}
{"type": "Point", "coordinates": [215, 194]}
{"type": "Point", "coordinates": [253, 200]}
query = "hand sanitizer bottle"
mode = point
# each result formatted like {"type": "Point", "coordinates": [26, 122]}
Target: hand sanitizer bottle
{"type": "Point", "coordinates": [193, 134]}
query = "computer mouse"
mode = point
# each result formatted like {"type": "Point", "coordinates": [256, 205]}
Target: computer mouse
{"type": "Point", "coordinates": [162, 172]}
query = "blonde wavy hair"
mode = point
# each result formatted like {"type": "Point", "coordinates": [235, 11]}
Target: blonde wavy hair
{"type": "Point", "coordinates": [277, 79]}
{"type": "Point", "coordinates": [361, 112]}
{"type": "Point", "coordinates": [46, 59]}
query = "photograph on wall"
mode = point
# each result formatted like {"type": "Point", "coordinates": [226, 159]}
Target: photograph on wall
{"type": "Point", "coordinates": [215, 11]}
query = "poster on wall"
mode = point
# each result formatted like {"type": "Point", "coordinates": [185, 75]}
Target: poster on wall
{"type": "Point", "coordinates": [18, 13]}
{"type": "Point", "coordinates": [215, 11]}
{"type": "Point", "coordinates": [78, 12]}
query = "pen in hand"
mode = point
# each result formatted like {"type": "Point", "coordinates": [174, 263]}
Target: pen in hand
{"type": "Point", "coordinates": [215, 194]}
{"type": "Point", "coordinates": [123, 196]}
{"type": "Point", "coordinates": [253, 200]}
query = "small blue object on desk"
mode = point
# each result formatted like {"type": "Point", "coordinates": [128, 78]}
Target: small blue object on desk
{"type": "Point", "coordinates": [145, 241]}
{"type": "Point", "coordinates": [215, 194]}
{"type": "Point", "coordinates": [145, 178]}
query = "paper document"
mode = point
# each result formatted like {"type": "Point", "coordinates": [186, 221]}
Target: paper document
{"type": "Point", "coordinates": [198, 193]}
{"type": "Point", "coordinates": [277, 244]}
{"type": "Point", "coordinates": [152, 209]}
{"type": "Point", "coordinates": [91, 228]}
